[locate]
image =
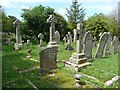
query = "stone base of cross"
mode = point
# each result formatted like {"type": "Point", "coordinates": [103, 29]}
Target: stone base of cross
{"type": "Point", "coordinates": [18, 46]}
{"type": "Point", "coordinates": [51, 44]}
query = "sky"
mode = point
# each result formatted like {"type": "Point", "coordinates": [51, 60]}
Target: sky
{"type": "Point", "coordinates": [14, 7]}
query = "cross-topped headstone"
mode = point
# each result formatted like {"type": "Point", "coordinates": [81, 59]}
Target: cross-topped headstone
{"type": "Point", "coordinates": [52, 21]}
{"type": "Point", "coordinates": [18, 43]}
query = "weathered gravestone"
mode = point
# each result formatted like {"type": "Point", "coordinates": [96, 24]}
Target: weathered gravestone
{"type": "Point", "coordinates": [18, 44]}
{"type": "Point", "coordinates": [115, 45]}
{"type": "Point", "coordinates": [75, 34]}
{"type": "Point", "coordinates": [57, 36]}
{"type": "Point", "coordinates": [48, 58]}
{"type": "Point", "coordinates": [108, 44]}
{"type": "Point", "coordinates": [101, 45]}
{"type": "Point", "coordinates": [41, 36]}
{"type": "Point", "coordinates": [78, 60]}
{"type": "Point", "coordinates": [94, 42]}
{"type": "Point", "coordinates": [28, 43]}
{"type": "Point", "coordinates": [88, 43]}
{"type": "Point", "coordinates": [69, 41]}
{"type": "Point", "coordinates": [52, 21]}
{"type": "Point", "coordinates": [65, 40]}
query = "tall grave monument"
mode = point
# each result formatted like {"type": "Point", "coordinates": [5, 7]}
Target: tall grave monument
{"type": "Point", "coordinates": [78, 60]}
{"type": "Point", "coordinates": [52, 22]}
{"type": "Point", "coordinates": [18, 44]}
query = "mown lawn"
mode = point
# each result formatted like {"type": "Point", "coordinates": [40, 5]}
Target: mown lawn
{"type": "Point", "coordinates": [14, 61]}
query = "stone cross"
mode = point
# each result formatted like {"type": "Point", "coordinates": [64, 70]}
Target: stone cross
{"type": "Point", "coordinates": [81, 35]}
{"type": "Point", "coordinates": [17, 24]}
{"type": "Point", "coordinates": [52, 21]}
{"type": "Point", "coordinates": [18, 43]}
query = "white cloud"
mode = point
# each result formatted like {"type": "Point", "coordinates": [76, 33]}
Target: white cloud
{"type": "Point", "coordinates": [61, 11]}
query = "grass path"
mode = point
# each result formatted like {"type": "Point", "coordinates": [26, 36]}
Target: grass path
{"type": "Point", "coordinates": [14, 61]}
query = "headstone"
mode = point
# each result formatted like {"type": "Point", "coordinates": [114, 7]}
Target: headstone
{"type": "Point", "coordinates": [41, 36]}
{"type": "Point", "coordinates": [48, 58]}
{"type": "Point", "coordinates": [108, 44]}
{"type": "Point", "coordinates": [75, 34]}
{"type": "Point", "coordinates": [52, 21]}
{"type": "Point", "coordinates": [101, 45]}
{"type": "Point", "coordinates": [88, 43]}
{"type": "Point", "coordinates": [115, 45]}
{"type": "Point", "coordinates": [94, 42]}
{"type": "Point", "coordinates": [65, 40]}
{"type": "Point", "coordinates": [57, 36]}
{"type": "Point", "coordinates": [78, 59]}
{"type": "Point", "coordinates": [18, 44]}
{"type": "Point", "coordinates": [28, 43]}
{"type": "Point", "coordinates": [69, 41]}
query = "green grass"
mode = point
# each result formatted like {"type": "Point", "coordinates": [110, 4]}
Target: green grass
{"type": "Point", "coordinates": [103, 69]}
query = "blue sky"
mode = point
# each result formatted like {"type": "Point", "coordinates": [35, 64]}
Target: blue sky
{"type": "Point", "coordinates": [14, 7]}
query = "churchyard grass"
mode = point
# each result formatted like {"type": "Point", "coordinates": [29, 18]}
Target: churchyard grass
{"type": "Point", "coordinates": [14, 61]}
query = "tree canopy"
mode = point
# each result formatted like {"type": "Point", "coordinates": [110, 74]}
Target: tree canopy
{"type": "Point", "coordinates": [100, 23]}
{"type": "Point", "coordinates": [35, 22]}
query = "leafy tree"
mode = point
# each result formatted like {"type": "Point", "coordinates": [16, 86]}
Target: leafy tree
{"type": "Point", "coordinates": [35, 22]}
{"type": "Point", "coordinates": [75, 14]}
{"type": "Point", "coordinates": [100, 23]}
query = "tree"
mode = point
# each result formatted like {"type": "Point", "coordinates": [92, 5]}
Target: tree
{"type": "Point", "coordinates": [100, 23]}
{"type": "Point", "coordinates": [76, 13]}
{"type": "Point", "coordinates": [35, 22]}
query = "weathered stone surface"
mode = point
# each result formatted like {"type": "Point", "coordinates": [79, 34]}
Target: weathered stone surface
{"type": "Point", "coordinates": [108, 83]}
{"type": "Point", "coordinates": [69, 41]}
{"type": "Point", "coordinates": [115, 45]}
{"type": "Point", "coordinates": [101, 45]}
{"type": "Point", "coordinates": [88, 43]}
{"type": "Point", "coordinates": [41, 36]}
{"type": "Point", "coordinates": [52, 21]}
{"type": "Point", "coordinates": [18, 44]}
{"type": "Point", "coordinates": [48, 58]}
{"type": "Point", "coordinates": [108, 44]}
{"type": "Point", "coordinates": [57, 36]}
{"type": "Point", "coordinates": [65, 40]}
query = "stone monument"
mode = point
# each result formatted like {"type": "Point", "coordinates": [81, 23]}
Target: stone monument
{"type": "Point", "coordinates": [41, 36]}
{"type": "Point", "coordinates": [52, 22]}
{"type": "Point", "coordinates": [78, 60]}
{"type": "Point", "coordinates": [101, 45]}
{"type": "Point", "coordinates": [18, 44]}
{"type": "Point", "coordinates": [88, 43]}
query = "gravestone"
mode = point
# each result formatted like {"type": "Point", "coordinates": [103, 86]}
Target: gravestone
{"type": "Point", "coordinates": [48, 58]}
{"type": "Point", "coordinates": [69, 41]}
{"type": "Point", "coordinates": [57, 36]}
{"type": "Point", "coordinates": [28, 43]}
{"type": "Point", "coordinates": [75, 34]}
{"type": "Point", "coordinates": [108, 44]}
{"type": "Point", "coordinates": [88, 43]}
{"type": "Point", "coordinates": [52, 22]}
{"type": "Point", "coordinates": [18, 44]}
{"type": "Point", "coordinates": [41, 36]}
{"type": "Point", "coordinates": [101, 45]}
{"type": "Point", "coordinates": [115, 45]}
{"type": "Point", "coordinates": [65, 40]}
{"type": "Point", "coordinates": [94, 42]}
{"type": "Point", "coordinates": [78, 59]}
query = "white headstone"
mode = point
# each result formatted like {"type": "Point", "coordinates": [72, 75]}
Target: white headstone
{"type": "Point", "coordinates": [115, 44]}
{"type": "Point", "coordinates": [57, 36]}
